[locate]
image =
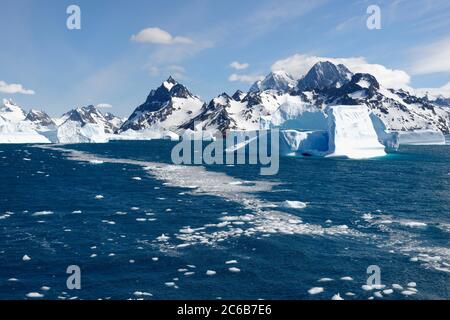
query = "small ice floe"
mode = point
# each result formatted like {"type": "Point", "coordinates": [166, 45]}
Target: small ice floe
{"type": "Point", "coordinates": [347, 279]}
{"type": "Point", "coordinates": [337, 297]}
{"type": "Point", "coordinates": [93, 255]}
{"type": "Point", "coordinates": [34, 295]}
{"type": "Point", "coordinates": [121, 213]}
{"type": "Point", "coordinates": [210, 273]}
{"type": "Point", "coordinates": [388, 291]}
{"type": "Point", "coordinates": [94, 161]}
{"type": "Point", "coordinates": [408, 292]}
{"type": "Point", "coordinates": [325, 280]}
{"type": "Point", "coordinates": [170, 284]}
{"type": "Point", "coordinates": [350, 294]}
{"type": "Point", "coordinates": [231, 262]}
{"type": "Point", "coordinates": [294, 204]}
{"type": "Point", "coordinates": [42, 213]}
{"type": "Point", "coordinates": [13, 279]}
{"type": "Point", "coordinates": [134, 208]}
{"type": "Point", "coordinates": [163, 238]}
{"type": "Point", "coordinates": [155, 259]}
{"type": "Point", "coordinates": [234, 269]}
{"type": "Point", "coordinates": [99, 196]}
{"type": "Point", "coordinates": [77, 211]}
{"type": "Point", "coordinates": [168, 210]}
{"type": "Point", "coordinates": [137, 178]}
{"type": "Point", "coordinates": [26, 159]}
{"type": "Point", "coordinates": [141, 219]}
{"type": "Point", "coordinates": [111, 255]}
{"type": "Point", "coordinates": [45, 288]}
{"type": "Point", "coordinates": [161, 198]}
{"type": "Point", "coordinates": [329, 221]}
{"type": "Point", "coordinates": [412, 284]}
{"type": "Point", "coordinates": [189, 273]}
{"type": "Point", "coordinates": [131, 261]}
{"type": "Point", "coordinates": [378, 294]}
{"type": "Point", "coordinates": [182, 270]}
{"type": "Point", "coordinates": [397, 286]}
{"type": "Point", "coordinates": [142, 294]}
{"type": "Point", "coordinates": [315, 290]}
{"type": "Point", "coordinates": [26, 258]}
{"type": "Point", "coordinates": [413, 224]}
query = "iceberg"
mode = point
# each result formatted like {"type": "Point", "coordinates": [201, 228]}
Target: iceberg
{"type": "Point", "coordinates": [11, 132]}
{"type": "Point", "coordinates": [352, 134]}
{"type": "Point", "coordinates": [295, 142]}
{"type": "Point", "coordinates": [421, 137]}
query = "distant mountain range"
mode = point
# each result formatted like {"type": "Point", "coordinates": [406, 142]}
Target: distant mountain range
{"type": "Point", "coordinates": [278, 100]}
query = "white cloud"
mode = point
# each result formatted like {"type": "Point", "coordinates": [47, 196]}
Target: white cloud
{"type": "Point", "coordinates": [239, 66]}
{"type": "Point", "coordinates": [432, 58]}
{"type": "Point", "coordinates": [434, 92]}
{"type": "Point", "coordinates": [244, 78]}
{"type": "Point", "coordinates": [299, 64]}
{"type": "Point", "coordinates": [13, 88]}
{"type": "Point", "coordinates": [159, 36]}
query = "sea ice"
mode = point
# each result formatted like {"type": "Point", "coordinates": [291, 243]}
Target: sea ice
{"type": "Point", "coordinates": [234, 269]}
{"type": "Point", "coordinates": [347, 279]}
{"type": "Point", "coordinates": [210, 273]}
{"type": "Point", "coordinates": [315, 290]}
{"type": "Point", "coordinates": [294, 204]}
{"type": "Point", "coordinates": [337, 297]}
{"type": "Point", "coordinates": [34, 295]}
{"type": "Point", "coordinates": [99, 196]}
{"type": "Point", "coordinates": [26, 258]}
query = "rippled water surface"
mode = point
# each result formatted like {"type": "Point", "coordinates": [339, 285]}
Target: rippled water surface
{"type": "Point", "coordinates": [140, 227]}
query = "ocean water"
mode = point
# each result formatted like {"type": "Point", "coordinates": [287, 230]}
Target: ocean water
{"type": "Point", "coordinates": [139, 227]}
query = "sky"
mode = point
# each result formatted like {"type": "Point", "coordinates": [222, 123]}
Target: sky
{"type": "Point", "coordinates": [125, 48]}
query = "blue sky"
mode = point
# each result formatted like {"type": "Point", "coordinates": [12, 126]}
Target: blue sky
{"type": "Point", "coordinates": [197, 40]}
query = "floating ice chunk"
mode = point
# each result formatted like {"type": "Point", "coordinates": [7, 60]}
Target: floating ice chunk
{"type": "Point", "coordinates": [413, 224]}
{"type": "Point", "coordinates": [350, 294]}
{"type": "Point", "coordinates": [189, 273]}
{"type": "Point", "coordinates": [325, 280]}
{"type": "Point", "coordinates": [367, 287]}
{"type": "Point", "coordinates": [378, 294]}
{"type": "Point", "coordinates": [26, 258]}
{"type": "Point", "coordinates": [13, 279]}
{"type": "Point", "coordinates": [397, 286]}
{"type": "Point", "coordinates": [408, 292]}
{"type": "Point", "coordinates": [134, 208]}
{"type": "Point", "coordinates": [347, 279]}
{"type": "Point", "coordinates": [142, 294]}
{"type": "Point", "coordinates": [93, 255]}
{"type": "Point", "coordinates": [231, 262]}
{"type": "Point", "coordinates": [137, 178]}
{"type": "Point", "coordinates": [337, 297]}
{"type": "Point", "coordinates": [412, 284]}
{"type": "Point", "coordinates": [170, 284]}
{"type": "Point", "coordinates": [211, 273]}
{"type": "Point", "coordinates": [42, 213]}
{"type": "Point", "coordinates": [77, 211]}
{"type": "Point", "coordinates": [131, 261]}
{"type": "Point", "coordinates": [155, 259]}
{"type": "Point", "coordinates": [99, 196]}
{"type": "Point", "coordinates": [45, 288]}
{"type": "Point", "coordinates": [26, 159]}
{"type": "Point", "coordinates": [163, 238]}
{"type": "Point", "coordinates": [388, 291]}
{"type": "Point", "coordinates": [294, 204]}
{"type": "Point", "coordinates": [234, 269]}
{"type": "Point", "coordinates": [141, 219]}
{"type": "Point", "coordinates": [95, 161]}
{"type": "Point", "coordinates": [315, 290]}
{"type": "Point", "coordinates": [34, 295]}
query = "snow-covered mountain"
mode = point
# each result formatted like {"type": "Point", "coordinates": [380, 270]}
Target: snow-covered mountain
{"type": "Point", "coordinates": [276, 80]}
{"type": "Point", "coordinates": [39, 118]}
{"type": "Point", "coordinates": [323, 76]}
{"type": "Point", "coordinates": [12, 112]}
{"type": "Point", "coordinates": [86, 124]}
{"type": "Point", "coordinates": [166, 108]}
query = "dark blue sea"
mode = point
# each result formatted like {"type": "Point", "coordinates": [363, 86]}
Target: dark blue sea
{"type": "Point", "coordinates": [139, 227]}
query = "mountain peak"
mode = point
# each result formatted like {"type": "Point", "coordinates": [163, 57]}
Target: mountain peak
{"type": "Point", "coordinates": [325, 75]}
{"type": "Point", "coordinates": [278, 80]}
